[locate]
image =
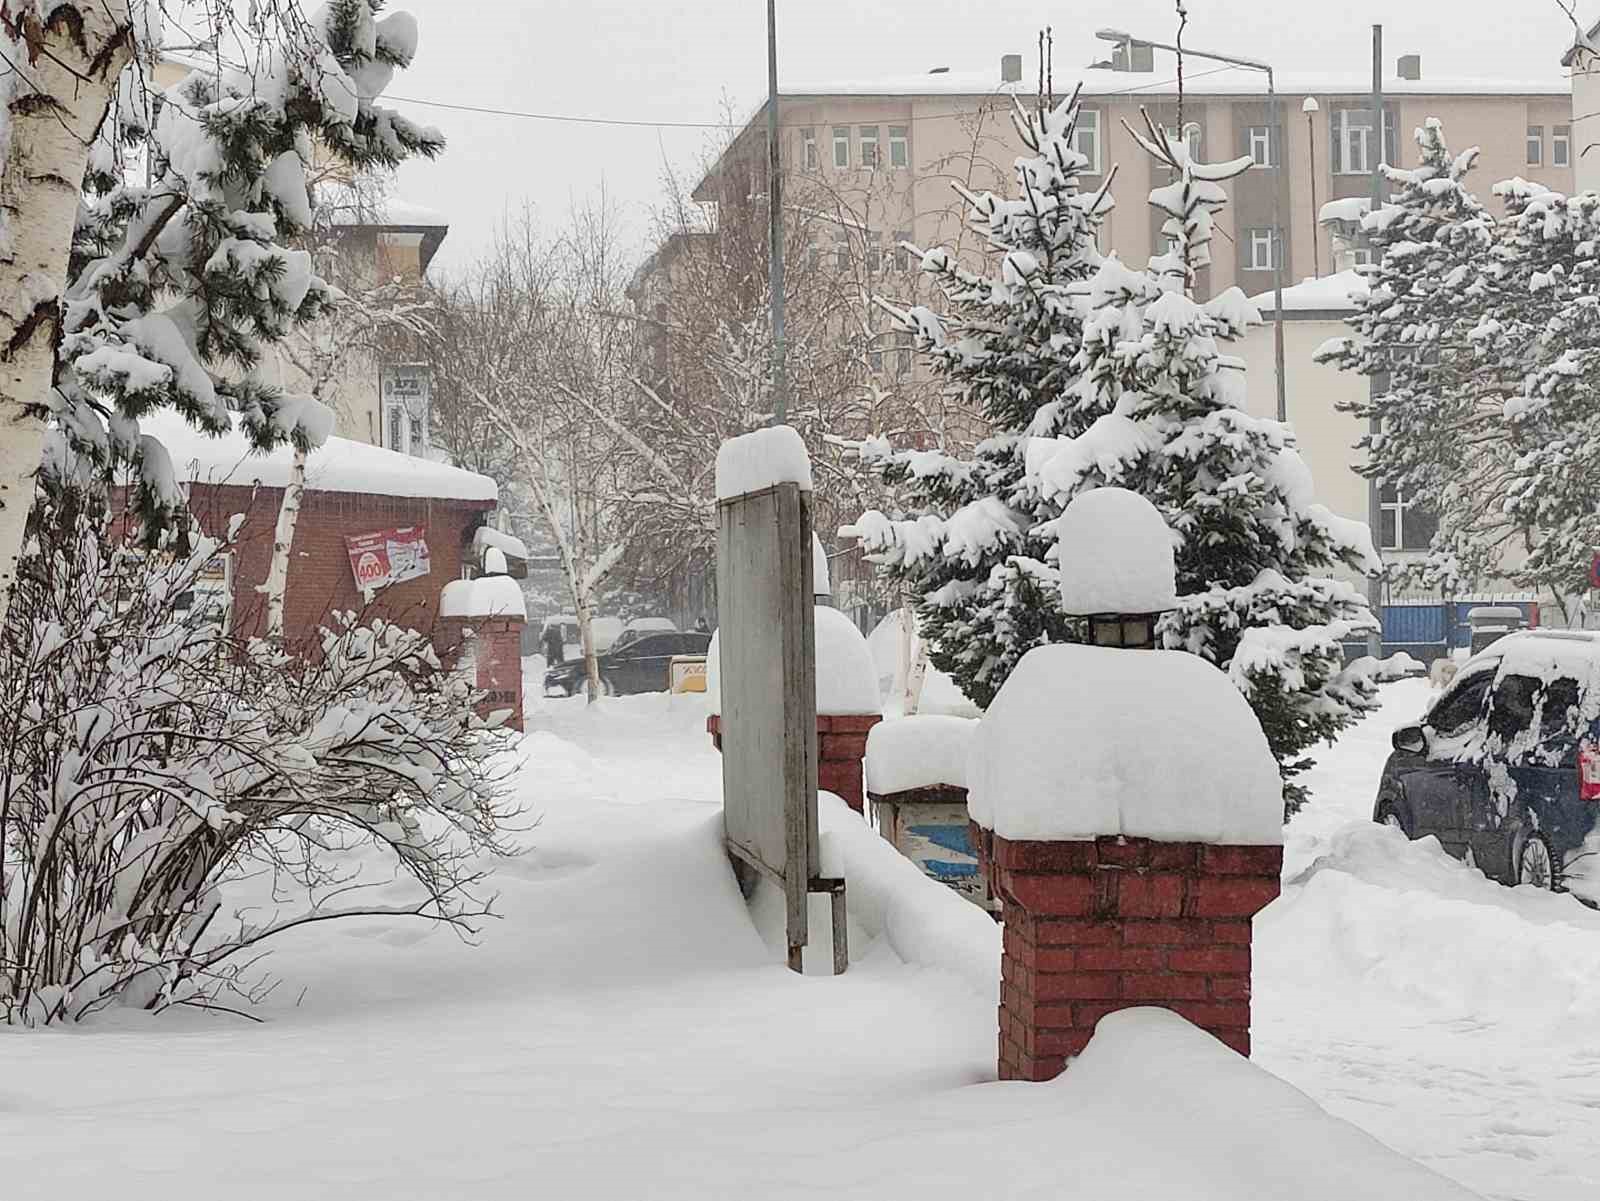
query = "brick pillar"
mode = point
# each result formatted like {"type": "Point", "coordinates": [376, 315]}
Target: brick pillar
{"type": "Point", "coordinates": [1096, 926]}
{"type": "Point", "coordinates": [841, 753]}
{"type": "Point", "coordinates": [842, 756]}
{"type": "Point", "coordinates": [497, 653]}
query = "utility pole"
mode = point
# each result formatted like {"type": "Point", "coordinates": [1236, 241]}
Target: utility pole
{"type": "Point", "coordinates": [780, 382]}
{"type": "Point", "coordinates": [1279, 250]}
{"type": "Point", "coordinates": [1379, 383]}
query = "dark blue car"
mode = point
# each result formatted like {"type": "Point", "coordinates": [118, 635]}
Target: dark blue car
{"type": "Point", "coordinates": [1505, 768]}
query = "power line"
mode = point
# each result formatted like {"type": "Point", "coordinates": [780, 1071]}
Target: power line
{"type": "Point", "coordinates": [577, 119]}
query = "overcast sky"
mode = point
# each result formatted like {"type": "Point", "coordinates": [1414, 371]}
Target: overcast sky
{"type": "Point", "coordinates": [674, 60]}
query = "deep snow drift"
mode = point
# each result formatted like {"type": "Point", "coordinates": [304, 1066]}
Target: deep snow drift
{"type": "Point", "coordinates": [624, 1031]}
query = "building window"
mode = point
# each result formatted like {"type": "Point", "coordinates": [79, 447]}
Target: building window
{"type": "Point", "coordinates": [841, 255]}
{"type": "Point", "coordinates": [1086, 139]}
{"type": "Point", "coordinates": [1362, 256]}
{"type": "Point", "coordinates": [1261, 145]}
{"type": "Point", "coordinates": [869, 146]}
{"type": "Point", "coordinates": [899, 148]}
{"type": "Point", "coordinates": [841, 146]}
{"type": "Point", "coordinates": [902, 256]}
{"type": "Point", "coordinates": [902, 352]}
{"type": "Point", "coordinates": [1535, 145]}
{"type": "Point", "coordinates": [875, 351]}
{"type": "Point", "coordinates": [1561, 146]}
{"type": "Point", "coordinates": [1263, 249]}
{"type": "Point", "coordinates": [1356, 149]}
{"type": "Point", "coordinates": [808, 149]}
{"type": "Point", "coordinates": [874, 252]}
{"type": "Point", "coordinates": [1191, 138]}
{"type": "Point", "coordinates": [1404, 524]}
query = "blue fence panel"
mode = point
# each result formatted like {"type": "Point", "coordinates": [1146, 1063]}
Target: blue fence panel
{"type": "Point", "coordinates": [1413, 624]}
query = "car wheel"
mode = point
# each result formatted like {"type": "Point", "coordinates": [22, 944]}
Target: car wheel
{"type": "Point", "coordinates": [607, 688]}
{"type": "Point", "coordinates": [1536, 866]}
{"type": "Point", "coordinates": [1390, 816]}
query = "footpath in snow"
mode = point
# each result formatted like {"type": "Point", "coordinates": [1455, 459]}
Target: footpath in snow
{"type": "Point", "coordinates": [624, 1031]}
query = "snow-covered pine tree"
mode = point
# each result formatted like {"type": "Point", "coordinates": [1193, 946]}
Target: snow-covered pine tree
{"type": "Point", "coordinates": [1544, 341]}
{"type": "Point", "coordinates": [178, 288]}
{"type": "Point", "coordinates": [965, 545]}
{"type": "Point", "coordinates": [1168, 421]}
{"type": "Point", "coordinates": [1436, 293]}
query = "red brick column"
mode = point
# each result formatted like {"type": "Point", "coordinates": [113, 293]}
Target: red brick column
{"type": "Point", "coordinates": [497, 653]}
{"type": "Point", "coordinates": [842, 756]}
{"type": "Point", "coordinates": [1093, 927]}
{"type": "Point", "coordinates": [841, 753]}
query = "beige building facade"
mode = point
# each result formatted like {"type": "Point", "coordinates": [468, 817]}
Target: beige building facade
{"type": "Point", "coordinates": [886, 154]}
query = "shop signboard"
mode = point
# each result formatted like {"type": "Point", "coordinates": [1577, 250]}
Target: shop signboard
{"type": "Point", "coordinates": [389, 556]}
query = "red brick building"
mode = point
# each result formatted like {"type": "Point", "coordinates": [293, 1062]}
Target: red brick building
{"type": "Point", "coordinates": [352, 490]}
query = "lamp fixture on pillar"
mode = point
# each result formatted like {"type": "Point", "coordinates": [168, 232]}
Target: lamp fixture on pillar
{"type": "Point", "coordinates": [1130, 631]}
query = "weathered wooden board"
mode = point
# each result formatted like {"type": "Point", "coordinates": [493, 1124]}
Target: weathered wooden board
{"type": "Point", "coordinates": [767, 672]}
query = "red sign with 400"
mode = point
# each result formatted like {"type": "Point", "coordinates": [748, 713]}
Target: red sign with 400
{"type": "Point", "coordinates": [388, 556]}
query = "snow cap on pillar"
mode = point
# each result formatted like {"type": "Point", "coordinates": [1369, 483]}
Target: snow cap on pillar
{"type": "Point", "coordinates": [1115, 555]}
{"type": "Point", "coordinates": [1082, 742]}
{"type": "Point", "coordinates": [847, 681]}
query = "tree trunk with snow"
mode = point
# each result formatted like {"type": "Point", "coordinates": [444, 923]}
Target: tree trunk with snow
{"type": "Point", "coordinates": [54, 110]}
{"type": "Point", "coordinates": [591, 663]}
{"type": "Point", "coordinates": [282, 543]}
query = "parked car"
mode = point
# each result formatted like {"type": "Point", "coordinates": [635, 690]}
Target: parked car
{"type": "Point", "coordinates": [1505, 768]}
{"type": "Point", "coordinates": [643, 664]}
{"type": "Point", "coordinates": [1491, 623]}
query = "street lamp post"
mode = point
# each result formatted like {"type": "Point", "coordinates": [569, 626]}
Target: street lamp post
{"type": "Point", "coordinates": [1310, 108]}
{"type": "Point", "coordinates": [1249, 64]}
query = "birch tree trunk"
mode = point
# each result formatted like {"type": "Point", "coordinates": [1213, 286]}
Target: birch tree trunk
{"type": "Point", "coordinates": [591, 664]}
{"type": "Point", "coordinates": [277, 582]}
{"type": "Point", "coordinates": [56, 102]}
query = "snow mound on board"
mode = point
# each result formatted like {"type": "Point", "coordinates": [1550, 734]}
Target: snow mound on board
{"type": "Point", "coordinates": [761, 459]}
{"type": "Point", "coordinates": [919, 751]}
{"type": "Point", "coordinates": [1085, 741]}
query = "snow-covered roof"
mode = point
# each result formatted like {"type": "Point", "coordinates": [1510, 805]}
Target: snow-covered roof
{"type": "Point", "coordinates": [1349, 208]}
{"type": "Point", "coordinates": [1328, 294]}
{"type": "Point", "coordinates": [1163, 81]}
{"type": "Point", "coordinates": [391, 211]}
{"type": "Point", "coordinates": [1086, 741]}
{"type": "Point", "coordinates": [339, 465]}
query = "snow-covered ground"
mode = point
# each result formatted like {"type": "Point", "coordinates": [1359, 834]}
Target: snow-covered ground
{"type": "Point", "coordinates": [1456, 1019]}
{"type": "Point", "coordinates": [624, 1030]}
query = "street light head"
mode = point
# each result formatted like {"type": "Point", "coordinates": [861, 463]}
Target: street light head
{"type": "Point", "coordinates": [1113, 35]}
{"type": "Point", "coordinates": [1311, 105]}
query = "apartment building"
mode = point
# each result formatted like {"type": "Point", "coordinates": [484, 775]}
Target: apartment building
{"type": "Point", "coordinates": [886, 152]}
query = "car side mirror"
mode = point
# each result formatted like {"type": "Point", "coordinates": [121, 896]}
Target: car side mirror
{"type": "Point", "coordinates": [1411, 739]}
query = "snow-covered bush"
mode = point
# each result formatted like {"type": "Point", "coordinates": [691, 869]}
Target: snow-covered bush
{"type": "Point", "coordinates": [150, 759]}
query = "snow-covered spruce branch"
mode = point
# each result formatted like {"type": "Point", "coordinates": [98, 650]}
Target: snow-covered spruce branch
{"type": "Point", "coordinates": [152, 763]}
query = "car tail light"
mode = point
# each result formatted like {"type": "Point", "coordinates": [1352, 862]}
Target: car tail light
{"type": "Point", "coordinates": [1588, 772]}
{"type": "Point", "coordinates": [1533, 616]}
